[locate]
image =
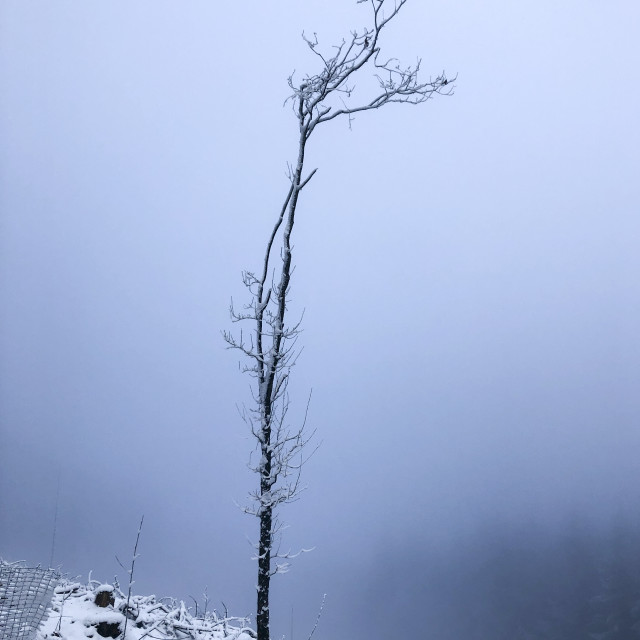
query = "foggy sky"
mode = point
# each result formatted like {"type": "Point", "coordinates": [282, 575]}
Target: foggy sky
{"type": "Point", "coordinates": [468, 270]}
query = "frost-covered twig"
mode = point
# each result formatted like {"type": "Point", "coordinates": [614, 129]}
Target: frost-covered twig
{"type": "Point", "coordinates": [315, 626]}
{"type": "Point", "coordinates": [133, 564]}
{"type": "Point", "coordinates": [65, 593]}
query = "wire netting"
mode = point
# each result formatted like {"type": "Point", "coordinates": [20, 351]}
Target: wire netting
{"type": "Point", "coordinates": [25, 596]}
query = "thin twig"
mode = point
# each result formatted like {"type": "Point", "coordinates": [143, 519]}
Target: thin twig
{"type": "Point", "coordinates": [133, 564]}
{"type": "Point", "coordinates": [315, 626]}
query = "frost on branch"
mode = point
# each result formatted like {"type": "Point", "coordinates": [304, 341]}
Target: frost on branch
{"type": "Point", "coordinates": [327, 94]}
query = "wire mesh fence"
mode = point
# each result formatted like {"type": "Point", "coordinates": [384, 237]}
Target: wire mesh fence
{"type": "Point", "coordinates": [25, 596]}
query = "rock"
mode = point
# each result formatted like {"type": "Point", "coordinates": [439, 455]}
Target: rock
{"type": "Point", "coordinates": [108, 629]}
{"type": "Point", "coordinates": [104, 597]}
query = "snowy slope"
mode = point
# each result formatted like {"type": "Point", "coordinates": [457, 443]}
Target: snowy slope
{"type": "Point", "coordinates": [100, 611]}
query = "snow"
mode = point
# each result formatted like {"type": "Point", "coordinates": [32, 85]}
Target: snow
{"type": "Point", "coordinates": [104, 587]}
{"type": "Point", "coordinates": [75, 616]}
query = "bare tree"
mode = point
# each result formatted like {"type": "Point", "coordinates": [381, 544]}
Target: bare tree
{"type": "Point", "coordinates": [270, 346]}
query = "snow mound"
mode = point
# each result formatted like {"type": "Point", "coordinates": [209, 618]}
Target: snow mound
{"type": "Point", "coordinates": [81, 612]}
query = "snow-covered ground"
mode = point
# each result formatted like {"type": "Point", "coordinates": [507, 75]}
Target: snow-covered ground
{"type": "Point", "coordinates": [100, 611]}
